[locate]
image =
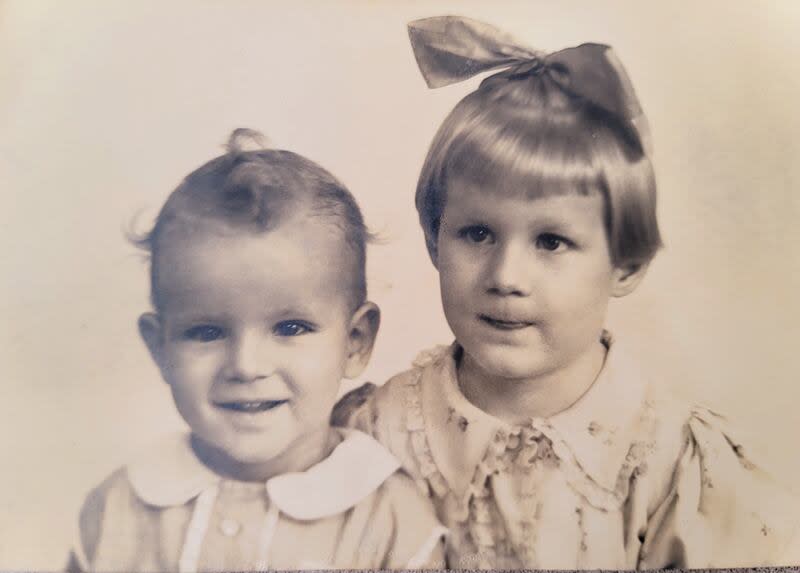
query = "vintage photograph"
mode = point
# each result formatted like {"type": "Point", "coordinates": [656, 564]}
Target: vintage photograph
{"type": "Point", "coordinates": [399, 285]}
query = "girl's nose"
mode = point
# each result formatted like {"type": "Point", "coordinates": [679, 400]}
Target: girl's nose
{"type": "Point", "coordinates": [508, 272]}
{"type": "Point", "coordinates": [248, 358]}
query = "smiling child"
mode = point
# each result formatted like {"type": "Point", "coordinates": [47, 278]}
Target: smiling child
{"type": "Point", "coordinates": [259, 311]}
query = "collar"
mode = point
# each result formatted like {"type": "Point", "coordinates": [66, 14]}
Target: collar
{"type": "Point", "coordinates": [170, 474]}
{"type": "Point", "coordinates": [597, 431]}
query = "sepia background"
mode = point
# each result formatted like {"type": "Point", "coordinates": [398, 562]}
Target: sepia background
{"type": "Point", "coordinates": [104, 106]}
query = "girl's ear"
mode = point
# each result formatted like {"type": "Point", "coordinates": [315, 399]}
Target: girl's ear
{"type": "Point", "coordinates": [432, 245]}
{"type": "Point", "coordinates": [152, 334]}
{"type": "Point", "coordinates": [627, 277]}
{"type": "Point", "coordinates": [364, 327]}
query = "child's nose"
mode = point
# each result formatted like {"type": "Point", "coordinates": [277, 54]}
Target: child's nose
{"type": "Point", "coordinates": [508, 271]}
{"type": "Point", "coordinates": [248, 358]}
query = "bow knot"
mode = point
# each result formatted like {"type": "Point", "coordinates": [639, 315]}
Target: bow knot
{"type": "Point", "coordinates": [451, 49]}
{"type": "Point", "coordinates": [534, 67]}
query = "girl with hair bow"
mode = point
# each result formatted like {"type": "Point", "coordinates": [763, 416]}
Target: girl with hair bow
{"type": "Point", "coordinates": [539, 442]}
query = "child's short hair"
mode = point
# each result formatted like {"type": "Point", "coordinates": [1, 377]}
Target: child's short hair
{"type": "Point", "coordinates": [523, 134]}
{"type": "Point", "coordinates": [250, 190]}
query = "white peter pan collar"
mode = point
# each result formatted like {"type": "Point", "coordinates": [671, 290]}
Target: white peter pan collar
{"type": "Point", "coordinates": [170, 474]}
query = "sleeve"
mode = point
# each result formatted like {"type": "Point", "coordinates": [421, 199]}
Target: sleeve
{"type": "Point", "coordinates": [391, 414]}
{"type": "Point", "coordinates": [721, 509]}
{"type": "Point", "coordinates": [418, 540]}
{"type": "Point", "coordinates": [354, 409]}
{"type": "Point", "coordinates": [86, 535]}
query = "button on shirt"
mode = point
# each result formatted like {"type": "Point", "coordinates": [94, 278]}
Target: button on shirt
{"type": "Point", "coordinates": [168, 512]}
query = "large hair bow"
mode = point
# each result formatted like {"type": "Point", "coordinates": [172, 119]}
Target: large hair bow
{"type": "Point", "coordinates": [450, 49]}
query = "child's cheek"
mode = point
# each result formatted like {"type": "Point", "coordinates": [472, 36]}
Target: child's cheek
{"type": "Point", "coordinates": [316, 367]}
{"type": "Point", "coordinates": [193, 363]}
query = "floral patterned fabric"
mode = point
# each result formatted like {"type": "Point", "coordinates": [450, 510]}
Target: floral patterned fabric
{"type": "Point", "coordinates": [625, 478]}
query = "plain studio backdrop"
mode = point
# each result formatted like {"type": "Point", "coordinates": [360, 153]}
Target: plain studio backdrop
{"type": "Point", "coordinates": [104, 107]}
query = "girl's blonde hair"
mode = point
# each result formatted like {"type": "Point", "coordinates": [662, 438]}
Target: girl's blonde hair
{"type": "Point", "coordinates": [524, 135]}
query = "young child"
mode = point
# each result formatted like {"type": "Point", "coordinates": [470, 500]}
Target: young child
{"type": "Point", "coordinates": [540, 445]}
{"type": "Point", "coordinates": [259, 310]}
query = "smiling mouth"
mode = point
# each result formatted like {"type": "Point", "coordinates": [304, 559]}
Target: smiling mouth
{"type": "Point", "coordinates": [504, 324]}
{"type": "Point", "coordinates": [251, 407]}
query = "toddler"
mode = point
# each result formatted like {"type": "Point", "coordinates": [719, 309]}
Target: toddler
{"type": "Point", "coordinates": [538, 441]}
{"type": "Point", "coordinates": [259, 310]}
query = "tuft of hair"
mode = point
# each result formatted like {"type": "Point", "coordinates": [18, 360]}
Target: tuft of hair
{"type": "Point", "coordinates": [244, 139]}
{"type": "Point", "coordinates": [250, 189]}
{"type": "Point", "coordinates": [524, 136]}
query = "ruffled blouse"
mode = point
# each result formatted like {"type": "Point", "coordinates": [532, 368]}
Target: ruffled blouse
{"type": "Point", "coordinates": [625, 478]}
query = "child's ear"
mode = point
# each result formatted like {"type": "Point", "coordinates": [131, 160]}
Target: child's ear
{"type": "Point", "coordinates": [364, 327]}
{"type": "Point", "coordinates": [627, 278]}
{"type": "Point", "coordinates": [433, 251]}
{"type": "Point", "coordinates": [152, 334]}
{"type": "Point", "coordinates": [432, 242]}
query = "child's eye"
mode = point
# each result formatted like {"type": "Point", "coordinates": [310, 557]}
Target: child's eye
{"type": "Point", "coordinates": [204, 333]}
{"type": "Point", "coordinates": [292, 328]}
{"type": "Point", "coordinates": [551, 242]}
{"type": "Point", "coordinates": [476, 233]}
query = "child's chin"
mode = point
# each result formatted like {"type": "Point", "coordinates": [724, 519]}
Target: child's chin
{"type": "Point", "coordinates": [509, 364]}
{"type": "Point", "coordinates": [244, 454]}
{"type": "Point", "coordinates": [515, 374]}
{"type": "Point", "coordinates": [263, 454]}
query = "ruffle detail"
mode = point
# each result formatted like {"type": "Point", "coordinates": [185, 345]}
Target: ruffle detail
{"type": "Point", "coordinates": [431, 478]}
{"type": "Point", "coordinates": [481, 531]}
{"type": "Point", "coordinates": [523, 450]}
{"type": "Point", "coordinates": [594, 493]}
{"type": "Point", "coordinates": [430, 356]}
{"type": "Point", "coordinates": [528, 449]}
{"type": "Point", "coordinates": [711, 419]}
{"type": "Point", "coordinates": [474, 510]}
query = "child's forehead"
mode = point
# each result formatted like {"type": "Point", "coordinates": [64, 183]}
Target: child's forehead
{"type": "Point", "coordinates": [212, 247]}
{"type": "Point", "coordinates": [276, 268]}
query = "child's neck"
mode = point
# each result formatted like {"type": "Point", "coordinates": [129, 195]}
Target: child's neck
{"type": "Point", "coordinates": [515, 401]}
{"type": "Point", "coordinates": [299, 457]}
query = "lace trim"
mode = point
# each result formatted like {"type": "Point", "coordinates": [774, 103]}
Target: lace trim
{"type": "Point", "coordinates": [633, 465]}
{"type": "Point", "coordinates": [474, 509]}
{"type": "Point", "coordinates": [524, 447]}
{"type": "Point", "coordinates": [527, 448]}
{"type": "Point", "coordinates": [432, 480]}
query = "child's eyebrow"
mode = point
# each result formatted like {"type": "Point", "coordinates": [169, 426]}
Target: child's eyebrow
{"type": "Point", "coordinates": [189, 316]}
{"type": "Point", "coordinates": [471, 216]}
{"type": "Point", "coordinates": [188, 321]}
{"type": "Point", "coordinates": [286, 312]}
{"type": "Point", "coordinates": [553, 221]}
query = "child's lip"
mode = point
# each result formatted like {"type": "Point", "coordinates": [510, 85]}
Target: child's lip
{"type": "Point", "coordinates": [504, 324]}
{"type": "Point", "coordinates": [250, 406]}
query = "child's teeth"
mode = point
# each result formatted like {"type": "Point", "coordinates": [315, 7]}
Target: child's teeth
{"type": "Point", "coordinates": [252, 406]}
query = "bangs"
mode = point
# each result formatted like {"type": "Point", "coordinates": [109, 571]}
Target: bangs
{"type": "Point", "coordinates": [522, 160]}
{"type": "Point", "coordinates": [519, 139]}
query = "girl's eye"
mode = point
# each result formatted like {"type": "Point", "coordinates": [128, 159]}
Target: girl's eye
{"type": "Point", "coordinates": [204, 333]}
{"type": "Point", "coordinates": [292, 328]}
{"type": "Point", "coordinates": [551, 242]}
{"type": "Point", "coordinates": [476, 233]}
